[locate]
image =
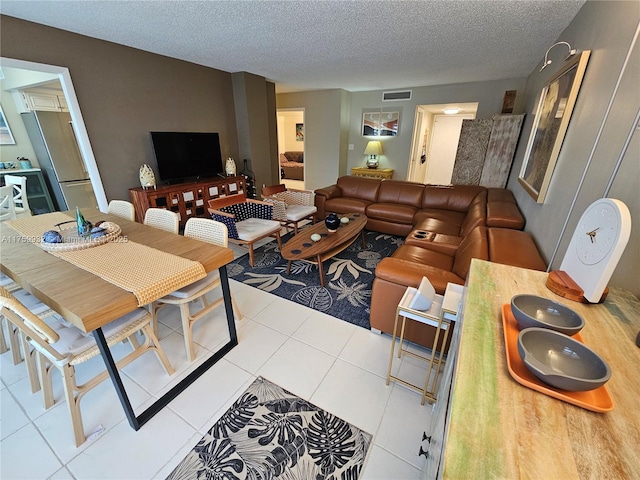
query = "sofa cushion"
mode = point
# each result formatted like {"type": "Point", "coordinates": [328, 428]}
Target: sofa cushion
{"type": "Point", "coordinates": [450, 197]}
{"type": "Point", "coordinates": [476, 216]}
{"type": "Point", "coordinates": [346, 205]}
{"type": "Point", "coordinates": [391, 212]}
{"type": "Point", "coordinates": [422, 256]}
{"type": "Point", "coordinates": [474, 245]}
{"type": "Point", "coordinates": [359, 187]}
{"type": "Point", "coordinates": [504, 214]}
{"type": "Point", "coordinates": [434, 225]}
{"type": "Point", "coordinates": [514, 247]}
{"type": "Point", "coordinates": [405, 193]}
{"type": "Point", "coordinates": [297, 157]}
{"type": "Point", "coordinates": [446, 216]}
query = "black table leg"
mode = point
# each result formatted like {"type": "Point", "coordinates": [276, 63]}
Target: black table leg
{"type": "Point", "coordinates": [137, 421]}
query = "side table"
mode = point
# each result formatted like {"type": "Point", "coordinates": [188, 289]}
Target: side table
{"type": "Point", "coordinates": [382, 173]}
{"type": "Point", "coordinates": [442, 313]}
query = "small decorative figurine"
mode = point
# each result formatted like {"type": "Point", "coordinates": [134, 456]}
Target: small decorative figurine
{"type": "Point", "coordinates": [84, 226]}
{"type": "Point", "coordinates": [230, 167]}
{"type": "Point", "coordinates": [332, 222]}
{"type": "Point", "coordinates": [147, 178]}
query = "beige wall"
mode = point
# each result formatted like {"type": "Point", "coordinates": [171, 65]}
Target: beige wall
{"type": "Point", "coordinates": [125, 93]}
{"type": "Point", "coordinates": [287, 140]}
{"type": "Point", "coordinates": [595, 139]}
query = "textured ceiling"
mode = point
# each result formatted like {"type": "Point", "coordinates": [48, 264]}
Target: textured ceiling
{"type": "Point", "coordinates": [308, 45]}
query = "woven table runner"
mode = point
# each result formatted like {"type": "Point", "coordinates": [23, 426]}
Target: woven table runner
{"type": "Point", "coordinates": [32, 228]}
{"type": "Point", "coordinates": [146, 272]}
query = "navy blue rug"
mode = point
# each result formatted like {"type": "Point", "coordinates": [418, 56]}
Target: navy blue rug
{"type": "Point", "coordinates": [348, 276]}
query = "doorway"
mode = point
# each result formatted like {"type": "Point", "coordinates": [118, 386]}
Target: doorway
{"type": "Point", "coordinates": [291, 142]}
{"type": "Point", "coordinates": [435, 141]}
{"type": "Point", "coordinates": [81, 136]}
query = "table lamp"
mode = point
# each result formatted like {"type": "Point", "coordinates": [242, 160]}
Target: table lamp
{"type": "Point", "coordinates": [374, 148]}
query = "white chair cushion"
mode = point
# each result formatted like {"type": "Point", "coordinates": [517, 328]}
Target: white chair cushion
{"type": "Point", "coordinates": [74, 341]}
{"type": "Point", "coordinates": [32, 303]}
{"type": "Point", "coordinates": [298, 212]}
{"type": "Point", "coordinates": [195, 287]}
{"type": "Point", "coordinates": [254, 228]}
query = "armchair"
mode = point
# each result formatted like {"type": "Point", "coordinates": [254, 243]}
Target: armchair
{"type": "Point", "coordinates": [290, 206]}
{"type": "Point", "coordinates": [247, 220]}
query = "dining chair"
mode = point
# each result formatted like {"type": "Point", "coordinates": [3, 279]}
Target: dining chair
{"type": "Point", "coordinates": [20, 200]}
{"type": "Point", "coordinates": [7, 207]}
{"type": "Point", "coordinates": [63, 346]}
{"type": "Point", "coordinates": [123, 209]}
{"type": "Point", "coordinates": [163, 219]}
{"type": "Point", "coordinates": [290, 206]}
{"type": "Point", "coordinates": [205, 230]}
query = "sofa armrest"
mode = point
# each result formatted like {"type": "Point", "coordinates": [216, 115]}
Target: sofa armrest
{"type": "Point", "coordinates": [329, 192]}
{"type": "Point", "coordinates": [403, 272]}
{"type": "Point", "coordinates": [324, 194]}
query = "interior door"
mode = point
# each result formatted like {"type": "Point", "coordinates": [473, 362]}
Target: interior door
{"type": "Point", "coordinates": [442, 149]}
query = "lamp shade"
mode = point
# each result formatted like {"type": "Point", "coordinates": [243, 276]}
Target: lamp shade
{"type": "Point", "coordinates": [374, 147]}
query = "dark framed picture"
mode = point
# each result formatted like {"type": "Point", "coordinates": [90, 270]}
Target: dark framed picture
{"type": "Point", "coordinates": [553, 113]}
{"type": "Point", "coordinates": [380, 124]}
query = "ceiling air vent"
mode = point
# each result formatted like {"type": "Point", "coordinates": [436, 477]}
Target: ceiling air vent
{"type": "Point", "coordinates": [396, 95]}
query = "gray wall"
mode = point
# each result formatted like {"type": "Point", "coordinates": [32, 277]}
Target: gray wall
{"type": "Point", "coordinates": [595, 139]}
{"type": "Point", "coordinates": [125, 93]}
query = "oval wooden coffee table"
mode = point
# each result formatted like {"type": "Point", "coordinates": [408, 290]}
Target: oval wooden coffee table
{"type": "Point", "coordinates": [301, 247]}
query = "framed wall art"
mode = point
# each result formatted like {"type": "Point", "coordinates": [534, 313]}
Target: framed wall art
{"type": "Point", "coordinates": [299, 132]}
{"type": "Point", "coordinates": [6, 137]}
{"type": "Point", "coordinates": [380, 124]}
{"type": "Point", "coordinates": [552, 116]}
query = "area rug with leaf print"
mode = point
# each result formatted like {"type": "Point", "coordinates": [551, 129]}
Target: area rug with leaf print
{"type": "Point", "coordinates": [270, 433]}
{"type": "Point", "coordinates": [348, 276]}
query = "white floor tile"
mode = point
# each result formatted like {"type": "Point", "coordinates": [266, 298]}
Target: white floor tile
{"type": "Point", "coordinates": [272, 316]}
{"type": "Point", "coordinates": [123, 453]}
{"type": "Point", "coordinates": [252, 301]}
{"type": "Point", "coordinates": [12, 418]}
{"type": "Point", "coordinates": [382, 465]}
{"type": "Point", "coordinates": [256, 344]}
{"type": "Point", "coordinates": [62, 474]}
{"type": "Point", "coordinates": [297, 367]}
{"type": "Point", "coordinates": [101, 410]}
{"type": "Point", "coordinates": [198, 403]}
{"type": "Point", "coordinates": [325, 333]}
{"type": "Point", "coordinates": [353, 394]}
{"type": "Point", "coordinates": [26, 455]}
{"type": "Point", "coordinates": [403, 423]}
{"type": "Point", "coordinates": [369, 351]}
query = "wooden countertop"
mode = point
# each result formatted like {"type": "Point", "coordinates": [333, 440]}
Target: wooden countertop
{"type": "Point", "coordinates": [500, 429]}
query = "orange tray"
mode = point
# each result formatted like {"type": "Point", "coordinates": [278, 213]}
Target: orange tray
{"type": "Point", "coordinates": [597, 400]}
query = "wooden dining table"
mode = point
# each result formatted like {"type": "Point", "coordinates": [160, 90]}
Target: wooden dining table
{"type": "Point", "coordinates": [90, 302]}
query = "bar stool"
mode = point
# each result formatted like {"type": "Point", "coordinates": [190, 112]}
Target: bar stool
{"type": "Point", "coordinates": [425, 306]}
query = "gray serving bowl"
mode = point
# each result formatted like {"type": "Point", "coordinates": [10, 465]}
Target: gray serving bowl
{"type": "Point", "coordinates": [561, 361]}
{"type": "Point", "coordinates": [535, 311]}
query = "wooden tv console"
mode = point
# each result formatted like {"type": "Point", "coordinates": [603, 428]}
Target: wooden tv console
{"type": "Point", "coordinates": [186, 199]}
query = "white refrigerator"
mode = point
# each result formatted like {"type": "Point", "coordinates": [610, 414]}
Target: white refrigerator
{"type": "Point", "coordinates": [55, 145]}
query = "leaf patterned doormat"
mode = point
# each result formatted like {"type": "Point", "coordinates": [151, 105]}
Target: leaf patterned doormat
{"type": "Point", "coordinates": [348, 276]}
{"type": "Point", "coordinates": [270, 433]}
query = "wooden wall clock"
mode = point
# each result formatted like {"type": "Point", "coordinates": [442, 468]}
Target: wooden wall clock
{"type": "Point", "coordinates": [594, 251]}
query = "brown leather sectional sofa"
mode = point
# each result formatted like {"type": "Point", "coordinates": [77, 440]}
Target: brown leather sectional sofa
{"type": "Point", "coordinates": [445, 228]}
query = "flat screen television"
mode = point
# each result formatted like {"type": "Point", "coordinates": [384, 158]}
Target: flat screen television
{"type": "Point", "coordinates": [183, 156]}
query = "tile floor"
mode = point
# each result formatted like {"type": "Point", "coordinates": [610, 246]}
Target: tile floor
{"type": "Point", "coordinates": [338, 366]}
